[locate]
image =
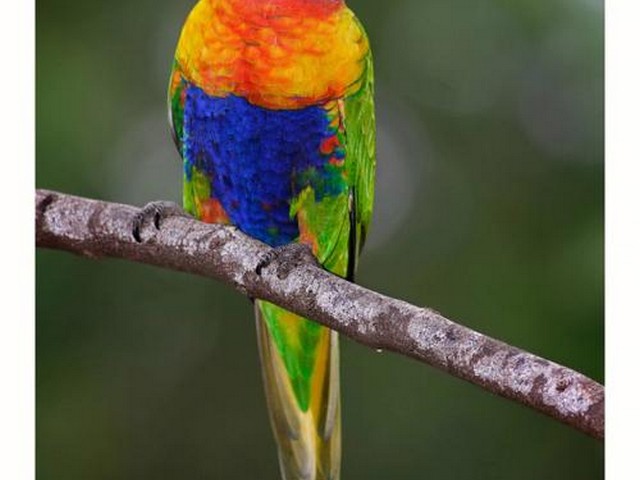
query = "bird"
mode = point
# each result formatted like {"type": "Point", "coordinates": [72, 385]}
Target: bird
{"type": "Point", "coordinates": [271, 107]}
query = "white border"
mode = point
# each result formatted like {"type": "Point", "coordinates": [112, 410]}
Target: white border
{"type": "Point", "coordinates": [17, 310]}
{"type": "Point", "coordinates": [622, 239]}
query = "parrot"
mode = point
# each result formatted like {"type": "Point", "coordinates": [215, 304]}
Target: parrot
{"type": "Point", "coordinates": [271, 107]}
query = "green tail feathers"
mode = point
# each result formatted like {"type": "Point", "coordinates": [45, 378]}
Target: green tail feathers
{"type": "Point", "coordinates": [300, 369]}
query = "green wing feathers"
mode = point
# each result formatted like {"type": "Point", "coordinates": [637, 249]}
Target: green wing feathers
{"type": "Point", "coordinates": [361, 151]}
{"type": "Point", "coordinates": [175, 100]}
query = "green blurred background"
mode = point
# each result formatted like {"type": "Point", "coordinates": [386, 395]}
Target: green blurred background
{"type": "Point", "coordinates": [489, 209]}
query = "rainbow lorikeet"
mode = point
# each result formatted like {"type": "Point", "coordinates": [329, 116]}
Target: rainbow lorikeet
{"type": "Point", "coordinates": [271, 106]}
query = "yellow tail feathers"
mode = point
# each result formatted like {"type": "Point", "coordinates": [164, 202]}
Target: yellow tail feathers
{"type": "Point", "coordinates": [309, 443]}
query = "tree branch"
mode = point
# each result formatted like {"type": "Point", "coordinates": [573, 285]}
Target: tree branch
{"type": "Point", "coordinates": [100, 229]}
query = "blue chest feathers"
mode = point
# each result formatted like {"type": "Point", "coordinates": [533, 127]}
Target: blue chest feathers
{"type": "Point", "coordinates": [258, 160]}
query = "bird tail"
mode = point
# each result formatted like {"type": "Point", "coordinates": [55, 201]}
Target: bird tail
{"type": "Point", "coordinates": [300, 370]}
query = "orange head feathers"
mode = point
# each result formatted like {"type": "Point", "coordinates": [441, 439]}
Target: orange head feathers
{"type": "Point", "coordinates": [279, 54]}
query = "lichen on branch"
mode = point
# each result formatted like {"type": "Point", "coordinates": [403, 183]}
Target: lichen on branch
{"type": "Point", "coordinates": [97, 229]}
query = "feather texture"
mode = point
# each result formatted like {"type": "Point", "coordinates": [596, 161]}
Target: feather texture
{"type": "Point", "coordinates": [271, 108]}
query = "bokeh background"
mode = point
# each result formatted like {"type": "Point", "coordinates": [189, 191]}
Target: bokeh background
{"type": "Point", "coordinates": [489, 209]}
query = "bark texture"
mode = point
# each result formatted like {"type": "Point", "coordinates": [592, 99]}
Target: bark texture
{"type": "Point", "coordinates": [101, 229]}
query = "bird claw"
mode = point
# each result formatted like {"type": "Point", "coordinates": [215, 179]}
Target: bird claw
{"type": "Point", "coordinates": [155, 212]}
{"type": "Point", "coordinates": [290, 255]}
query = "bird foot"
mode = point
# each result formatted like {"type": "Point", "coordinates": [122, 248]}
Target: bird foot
{"type": "Point", "coordinates": [155, 212]}
{"type": "Point", "coordinates": [289, 256]}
